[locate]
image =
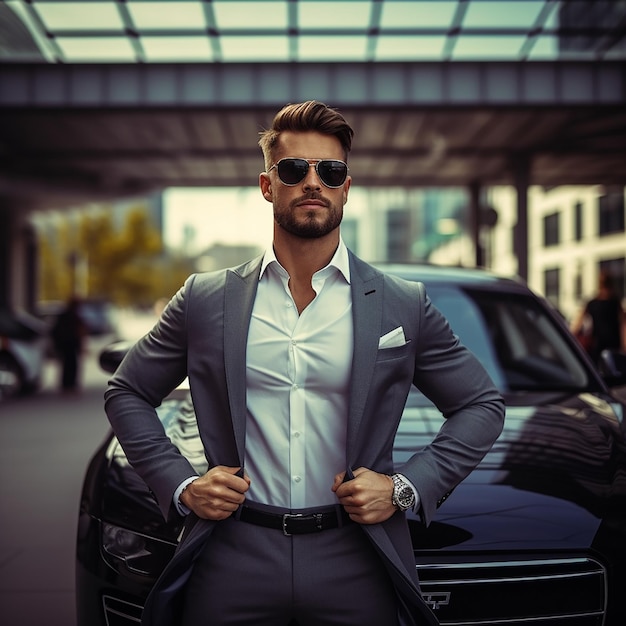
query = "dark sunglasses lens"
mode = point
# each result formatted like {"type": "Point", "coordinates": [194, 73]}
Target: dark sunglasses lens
{"type": "Point", "coordinates": [292, 171]}
{"type": "Point", "coordinates": [332, 173]}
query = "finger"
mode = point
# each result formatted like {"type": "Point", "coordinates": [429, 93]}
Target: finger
{"type": "Point", "coordinates": [224, 468]}
{"type": "Point", "coordinates": [227, 476]}
{"type": "Point", "coordinates": [342, 490]}
{"type": "Point", "coordinates": [338, 480]}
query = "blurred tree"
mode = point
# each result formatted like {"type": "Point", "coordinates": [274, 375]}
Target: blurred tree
{"type": "Point", "coordinates": [49, 275]}
{"type": "Point", "coordinates": [55, 246]}
{"type": "Point", "coordinates": [90, 257]}
{"type": "Point", "coordinates": [109, 253]}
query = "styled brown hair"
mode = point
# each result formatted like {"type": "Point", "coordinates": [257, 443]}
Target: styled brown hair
{"type": "Point", "coordinates": [303, 117]}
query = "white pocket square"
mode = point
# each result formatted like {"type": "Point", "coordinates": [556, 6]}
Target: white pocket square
{"type": "Point", "coordinates": [392, 339]}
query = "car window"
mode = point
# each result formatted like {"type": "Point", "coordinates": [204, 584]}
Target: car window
{"type": "Point", "coordinates": [514, 337]}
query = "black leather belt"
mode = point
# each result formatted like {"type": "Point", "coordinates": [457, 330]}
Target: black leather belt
{"type": "Point", "coordinates": [296, 523]}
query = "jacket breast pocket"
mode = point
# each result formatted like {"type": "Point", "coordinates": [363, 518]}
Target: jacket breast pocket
{"type": "Point", "coordinates": [397, 352]}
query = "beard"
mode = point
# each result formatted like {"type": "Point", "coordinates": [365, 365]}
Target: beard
{"type": "Point", "coordinates": [312, 224]}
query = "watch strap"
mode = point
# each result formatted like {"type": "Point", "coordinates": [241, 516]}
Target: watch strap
{"type": "Point", "coordinates": [403, 493]}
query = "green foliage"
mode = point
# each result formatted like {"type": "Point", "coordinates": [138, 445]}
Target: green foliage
{"type": "Point", "coordinates": [88, 256]}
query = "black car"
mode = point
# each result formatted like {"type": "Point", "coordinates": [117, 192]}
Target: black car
{"type": "Point", "coordinates": [535, 535]}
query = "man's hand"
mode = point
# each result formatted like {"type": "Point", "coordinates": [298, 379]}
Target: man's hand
{"type": "Point", "coordinates": [217, 494]}
{"type": "Point", "coordinates": [367, 497]}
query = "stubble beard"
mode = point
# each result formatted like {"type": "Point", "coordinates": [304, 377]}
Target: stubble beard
{"type": "Point", "coordinates": [311, 225]}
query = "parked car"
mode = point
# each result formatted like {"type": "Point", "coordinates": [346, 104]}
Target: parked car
{"type": "Point", "coordinates": [97, 315]}
{"type": "Point", "coordinates": [22, 353]}
{"type": "Point", "coordinates": [535, 535]}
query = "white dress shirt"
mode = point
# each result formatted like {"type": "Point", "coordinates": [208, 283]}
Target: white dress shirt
{"type": "Point", "coordinates": [298, 382]}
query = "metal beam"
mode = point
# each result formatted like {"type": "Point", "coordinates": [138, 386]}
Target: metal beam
{"type": "Point", "coordinates": [354, 85]}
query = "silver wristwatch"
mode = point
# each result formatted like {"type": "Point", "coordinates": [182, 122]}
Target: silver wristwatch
{"type": "Point", "coordinates": [403, 496]}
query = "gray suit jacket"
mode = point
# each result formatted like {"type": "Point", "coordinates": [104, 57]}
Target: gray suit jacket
{"type": "Point", "coordinates": [202, 334]}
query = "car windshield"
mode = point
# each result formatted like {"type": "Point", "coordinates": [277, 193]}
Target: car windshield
{"type": "Point", "coordinates": [514, 337]}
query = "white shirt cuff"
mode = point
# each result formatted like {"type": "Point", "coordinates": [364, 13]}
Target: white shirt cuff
{"type": "Point", "coordinates": [180, 507]}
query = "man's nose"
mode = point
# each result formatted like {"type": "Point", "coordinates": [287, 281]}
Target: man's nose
{"type": "Point", "coordinates": [311, 180]}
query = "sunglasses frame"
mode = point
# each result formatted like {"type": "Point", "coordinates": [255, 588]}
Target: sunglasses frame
{"type": "Point", "coordinates": [310, 164]}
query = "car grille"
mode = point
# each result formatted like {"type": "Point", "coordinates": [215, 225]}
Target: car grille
{"type": "Point", "coordinates": [546, 592]}
{"type": "Point", "coordinates": [121, 613]}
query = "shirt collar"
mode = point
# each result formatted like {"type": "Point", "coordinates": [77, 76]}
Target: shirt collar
{"type": "Point", "coordinates": [340, 261]}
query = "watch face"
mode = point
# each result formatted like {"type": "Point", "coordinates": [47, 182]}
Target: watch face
{"type": "Point", "coordinates": [405, 497]}
{"type": "Point", "coordinates": [403, 494]}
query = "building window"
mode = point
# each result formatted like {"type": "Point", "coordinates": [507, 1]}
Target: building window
{"type": "Point", "coordinates": [551, 224]}
{"type": "Point", "coordinates": [611, 212]}
{"type": "Point", "coordinates": [398, 235]}
{"type": "Point", "coordinates": [350, 233]}
{"type": "Point", "coordinates": [552, 285]}
{"type": "Point", "coordinates": [578, 221]}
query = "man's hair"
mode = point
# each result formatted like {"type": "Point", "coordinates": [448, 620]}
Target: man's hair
{"type": "Point", "coordinates": [304, 117]}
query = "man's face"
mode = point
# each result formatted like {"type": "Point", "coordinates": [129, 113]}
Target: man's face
{"type": "Point", "coordinates": [308, 209]}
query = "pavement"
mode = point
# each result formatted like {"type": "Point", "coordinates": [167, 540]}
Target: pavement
{"type": "Point", "coordinates": [46, 441]}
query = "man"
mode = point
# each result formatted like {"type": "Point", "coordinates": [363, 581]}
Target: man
{"type": "Point", "coordinates": [299, 366]}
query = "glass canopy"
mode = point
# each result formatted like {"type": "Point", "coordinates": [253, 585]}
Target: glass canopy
{"type": "Point", "coordinates": [223, 31]}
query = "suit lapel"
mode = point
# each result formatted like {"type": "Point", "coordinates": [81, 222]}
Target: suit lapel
{"type": "Point", "coordinates": [367, 294]}
{"type": "Point", "coordinates": [240, 290]}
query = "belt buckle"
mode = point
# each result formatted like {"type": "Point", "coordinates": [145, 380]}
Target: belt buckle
{"type": "Point", "coordinates": [286, 518]}
{"type": "Point", "coordinates": [316, 517]}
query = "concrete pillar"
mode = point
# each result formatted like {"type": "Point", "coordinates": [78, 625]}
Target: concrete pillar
{"type": "Point", "coordinates": [18, 254]}
{"type": "Point", "coordinates": [475, 189]}
{"type": "Point", "coordinates": [30, 251]}
{"type": "Point", "coordinates": [521, 176]}
{"type": "Point", "coordinates": [6, 232]}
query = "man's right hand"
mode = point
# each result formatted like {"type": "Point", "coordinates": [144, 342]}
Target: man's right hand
{"type": "Point", "coordinates": [217, 494]}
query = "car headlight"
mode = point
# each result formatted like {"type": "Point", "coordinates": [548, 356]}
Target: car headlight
{"type": "Point", "coordinates": [139, 554]}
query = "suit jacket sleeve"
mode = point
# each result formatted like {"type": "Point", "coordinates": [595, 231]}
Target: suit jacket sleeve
{"type": "Point", "coordinates": [457, 383]}
{"type": "Point", "coordinates": [155, 366]}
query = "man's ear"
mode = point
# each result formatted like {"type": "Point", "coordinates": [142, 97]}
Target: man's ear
{"type": "Point", "coordinates": [266, 186]}
{"type": "Point", "coordinates": [346, 188]}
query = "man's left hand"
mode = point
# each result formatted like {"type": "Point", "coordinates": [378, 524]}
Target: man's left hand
{"type": "Point", "coordinates": [367, 497]}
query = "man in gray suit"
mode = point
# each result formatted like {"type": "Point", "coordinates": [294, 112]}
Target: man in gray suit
{"type": "Point", "coordinates": [299, 365]}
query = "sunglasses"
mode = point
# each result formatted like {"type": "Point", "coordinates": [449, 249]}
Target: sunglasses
{"type": "Point", "coordinates": [291, 171]}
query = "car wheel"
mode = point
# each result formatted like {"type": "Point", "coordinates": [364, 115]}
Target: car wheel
{"type": "Point", "coordinates": [10, 377]}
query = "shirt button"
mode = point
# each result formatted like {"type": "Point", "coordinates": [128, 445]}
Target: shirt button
{"type": "Point", "coordinates": [296, 434]}
{"type": "Point", "coordinates": [294, 342]}
{"type": "Point", "coordinates": [294, 387]}
{"type": "Point", "coordinates": [296, 479]}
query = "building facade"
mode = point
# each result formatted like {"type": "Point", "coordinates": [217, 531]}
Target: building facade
{"type": "Point", "coordinates": [574, 233]}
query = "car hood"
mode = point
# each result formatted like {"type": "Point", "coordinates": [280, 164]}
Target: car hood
{"type": "Point", "coordinates": [555, 477]}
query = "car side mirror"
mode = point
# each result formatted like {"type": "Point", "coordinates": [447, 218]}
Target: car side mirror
{"type": "Point", "coordinates": [113, 354]}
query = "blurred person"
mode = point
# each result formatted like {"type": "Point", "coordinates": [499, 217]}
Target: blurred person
{"type": "Point", "coordinates": [601, 323]}
{"type": "Point", "coordinates": [68, 334]}
{"type": "Point", "coordinates": [299, 364]}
